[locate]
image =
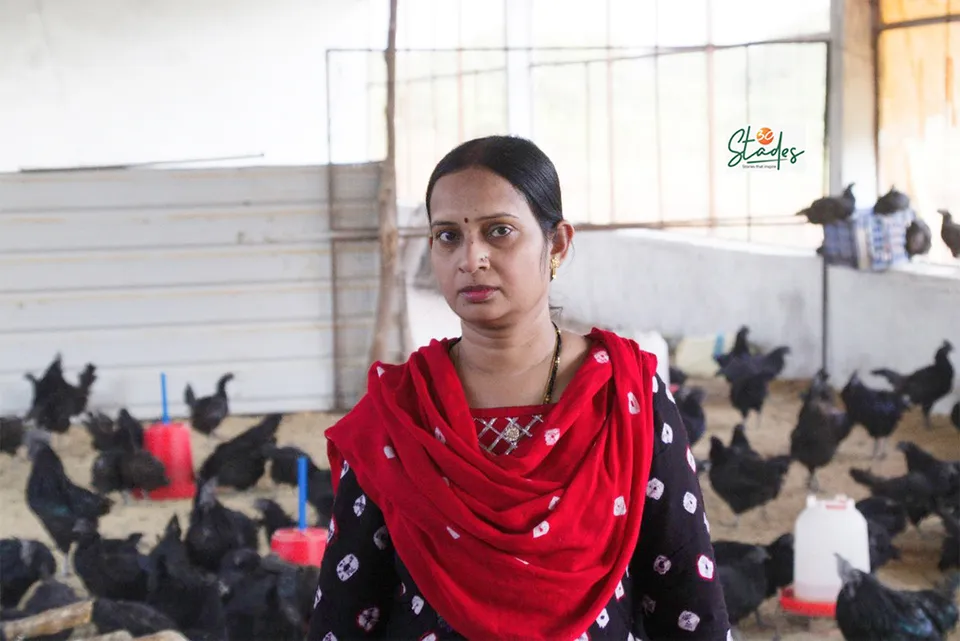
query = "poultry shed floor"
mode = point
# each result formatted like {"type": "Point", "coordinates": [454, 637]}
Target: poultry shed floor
{"type": "Point", "coordinates": [916, 569]}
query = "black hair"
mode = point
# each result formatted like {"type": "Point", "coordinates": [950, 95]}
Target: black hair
{"type": "Point", "coordinates": [518, 161]}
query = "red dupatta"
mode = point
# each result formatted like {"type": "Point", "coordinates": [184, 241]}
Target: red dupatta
{"type": "Point", "coordinates": [509, 547]}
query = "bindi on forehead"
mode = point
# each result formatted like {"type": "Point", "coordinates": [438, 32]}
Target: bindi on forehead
{"type": "Point", "coordinates": [466, 220]}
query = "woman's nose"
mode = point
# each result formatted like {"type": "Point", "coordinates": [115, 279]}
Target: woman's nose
{"type": "Point", "coordinates": [475, 257]}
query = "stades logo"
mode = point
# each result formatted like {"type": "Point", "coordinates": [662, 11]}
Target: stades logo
{"type": "Point", "coordinates": [763, 150]}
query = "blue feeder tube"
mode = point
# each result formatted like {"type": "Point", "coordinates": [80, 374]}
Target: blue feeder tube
{"type": "Point", "coordinates": [302, 485]}
{"type": "Point", "coordinates": [165, 417]}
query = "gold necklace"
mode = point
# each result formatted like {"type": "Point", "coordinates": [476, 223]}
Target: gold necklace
{"type": "Point", "coordinates": [554, 369]}
{"type": "Point", "coordinates": [512, 433]}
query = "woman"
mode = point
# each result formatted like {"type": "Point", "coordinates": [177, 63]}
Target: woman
{"type": "Point", "coordinates": [520, 482]}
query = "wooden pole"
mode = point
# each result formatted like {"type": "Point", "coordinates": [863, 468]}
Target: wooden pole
{"type": "Point", "coordinates": [163, 635]}
{"type": "Point", "coordinates": [388, 208]}
{"type": "Point", "coordinates": [119, 635]}
{"type": "Point", "coordinates": [49, 621]}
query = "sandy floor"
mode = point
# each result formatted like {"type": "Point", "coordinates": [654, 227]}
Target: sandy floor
{"type": "Point", "coordinates": [916, 569]}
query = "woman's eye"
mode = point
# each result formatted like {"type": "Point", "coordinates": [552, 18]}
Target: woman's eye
{"type": "Point", "coordinates": [446, 236]}
{"type": "Point", "coordinates": [500, 231]}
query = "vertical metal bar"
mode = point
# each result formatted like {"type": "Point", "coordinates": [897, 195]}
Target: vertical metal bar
{"type": "Point", "coordinates": [746, 84]}
{"type": "Point", "coordinates": [656, 107]}
{"type": "Point", "coordinates": [610, 124]}
{"type": "Point", "coordinates": [506, 68]}
{"type": "Point", "coordinates": [438, 149]}
{"type": "Point", "coordinates": [875, 52]}
{"type": "Point", "coordinates": [711, 124]}
{"type": "Point", "coordinates": [824, 311]}
{"type": "Point", "coordinates": [586, 92]}
{"type": "Point", "coordinates": [329, 71]}
{"type": "Point", "coordinates": [338, 400]}
{"type": "Point", "coordinates": [331, 222]}
{"type": "Point", "coordinates": [835, 95]}
{"type": "Point", "coordinates": [824, 267]}
{"type": "Point", "coordinates": [460, 125]}
{"type": "Point", "coordinates": [834, 125]}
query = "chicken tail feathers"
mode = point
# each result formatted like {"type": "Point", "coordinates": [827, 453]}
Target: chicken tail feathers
{"type": "Point", "coordinates": [894, 378]}
{"type": "Point", "coordinates": [87, 377]}
{"type": "Point", "coordinates": [864, 477]}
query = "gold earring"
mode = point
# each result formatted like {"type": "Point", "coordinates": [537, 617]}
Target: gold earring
{"type": "Point", "coordinates": [554, 265]}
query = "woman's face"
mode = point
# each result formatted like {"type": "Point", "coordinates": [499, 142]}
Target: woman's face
{"type": "Point", "coordinates": [487, 249]}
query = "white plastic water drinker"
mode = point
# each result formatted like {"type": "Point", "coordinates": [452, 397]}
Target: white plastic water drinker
{"type": "Point", "coordinates": [827, 527]}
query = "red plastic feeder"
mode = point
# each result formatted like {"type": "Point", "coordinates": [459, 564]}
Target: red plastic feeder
{"type": "Point", "coordinates": [813, 609]}
{"type": "Point", "coordinates": [303, 547]}
{"type": "Point", "coordinates": [170, 442]}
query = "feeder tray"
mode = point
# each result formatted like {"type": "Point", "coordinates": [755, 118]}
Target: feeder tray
{"type": "Point", "coordinates": [813, 609]}
{"type": "Point", "coordinates": [302, 547]}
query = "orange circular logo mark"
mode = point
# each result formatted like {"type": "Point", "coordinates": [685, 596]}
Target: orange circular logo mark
{"type": "Point", "coordinates": [765, 136]}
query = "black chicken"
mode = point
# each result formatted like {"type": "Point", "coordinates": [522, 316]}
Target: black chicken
{"type": "Point", "coordinates": [918, 239]}
{"type": "Point", "coordinates": [284, 471]}
{"type": "Point", "coordinates": [56, 500]}
{"type": "Point", "coordinates": [139, 619]}
{"type": "Point", "coordinates": [11, 434]}
{"type": "Point", "coordinates": [107, 434]}
{"type": "Point", "coordinates": [950, 551]}
{"type": "Point", "coordinates": [879, 411]}
{"type": "Point", "coordinates": [257, 605]}
{"type": "Point", "coordinates": [950, 232]}
{"type": "Point", "coordinates": [296, 588]}
{"type": "Point", "coordinates": [55, 401]}
{"type": "Point", "coordinates": [48, 594]}
{"type": "Point", "coordinates": [690, 405]}
{"type": "Point", "coordinates": [821, 427]}
{"type": "Point", "coordinates": [23, 562]}
{"type": "Point", "coordinates": [745, 481]}
{"type": "Point", "coordinates": [178, 589]}
{"type": "Point", "coordinates": [944, 476]}
{"type": "Point", "coordinates": [274, 518]}
{"type": "Point", "coordinates": [101, 429]}
{"type": "Point", "coordinates": [884, 511]}
{"type": "Point", "coordinates": [928, 384]}
{"type": "Point", "coordinates": [891, 202]}
{"type": "Point", "coordinates": [912, 490]}
{"type": "Point", "coordinates": [215, 530]}
{"type": "Point", "coordinates": [750, 574]}
{"type": "Point", "coordinates": [125, 467]}
{"type": "Point", "coordinates": [867, 609]}
{"type": "Point", "coordinates": [880, 542]}
{"type": "Point", "coordinates": [207, 412]}
{"type": "Point", "coordinates": [750, 378]}
{"type": "Point", "coordinates": [677, 376]}
{"type": "Point", "coordinates": [110, 568]}
{"type": "Point", "coordinates": [241, 461]}
{"type": "Point", "coordinates": [831, 209]}
{"type": "Point", "coordinates": [741, 347]}
{"type": "Point", "coordinates": [740, 444]}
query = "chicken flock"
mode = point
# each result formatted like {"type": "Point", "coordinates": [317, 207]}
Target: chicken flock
{"type": "Point", "coordinates": [746, 480]}
{"type": "Point", "coordinates": [206, 579]}
{"type": "Point", "coordinates": [918, 237]}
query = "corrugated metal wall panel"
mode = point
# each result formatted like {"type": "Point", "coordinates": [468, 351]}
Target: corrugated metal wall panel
{"type": "Point", "coordinates": [193, 273]}
{"type": "Point", "coordinates": [142, 188]}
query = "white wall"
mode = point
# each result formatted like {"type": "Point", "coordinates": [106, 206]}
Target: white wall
{"type": "Point", "coordinates": [192, 273]}
{"type": "Point", "coordinates": [88, 82]}
{"type": "Point", "coordinates": [689, 286]}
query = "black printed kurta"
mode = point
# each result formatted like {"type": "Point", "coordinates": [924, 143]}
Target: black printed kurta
{"type": "Point", "coordinates": [670, 590]}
